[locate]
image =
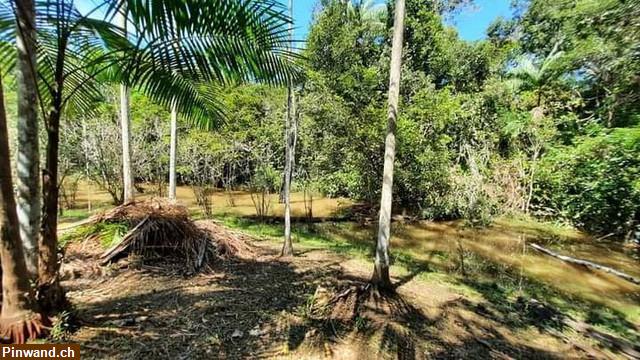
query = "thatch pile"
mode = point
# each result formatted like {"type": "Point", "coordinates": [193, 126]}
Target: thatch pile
{"type": "Point", "coordinates": [134, 212]}
{"type": "Point", "coordinates": [162, 232]}
{"type": "Point", "coordinates": [228, 243]}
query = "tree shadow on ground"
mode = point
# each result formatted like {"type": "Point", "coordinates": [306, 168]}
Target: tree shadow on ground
{"type": "Point", "coordinates": [247, 308]}
{"type": "Point", "coordinates": [387, 325]}
{"type": "Point", "coordinates": [516, 311]}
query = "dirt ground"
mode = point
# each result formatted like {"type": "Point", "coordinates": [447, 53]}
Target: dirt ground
{"type": "Point", "coordinates": [263, 306]}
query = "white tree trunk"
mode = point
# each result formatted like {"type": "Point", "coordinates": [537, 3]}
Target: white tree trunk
{"type": "Point", "coordinates": [125, 123]}
{"type": "Point", "coordinates": [381, 270]}
{"type": "Point", "coordinates": [28, 158]}
{"type": "Point", "coordinates": [173, 152]}
{"type": "Point", "coordinates": [289, 138]}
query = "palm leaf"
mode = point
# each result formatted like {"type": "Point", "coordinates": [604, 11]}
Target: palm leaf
{"type": "Point", "coordinates": [174, 51]}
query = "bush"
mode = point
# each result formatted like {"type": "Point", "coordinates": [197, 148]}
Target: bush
{"type": "Point", "coordinates": [266, 180]}
{"type": "Point", "coordinates": [596, 183]}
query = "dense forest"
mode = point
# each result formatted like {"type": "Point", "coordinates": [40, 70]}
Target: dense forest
{"type": "Point", "coordinates": [155, 156]}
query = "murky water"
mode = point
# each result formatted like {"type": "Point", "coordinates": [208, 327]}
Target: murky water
{"type": "Point", "coordinates": [235, 203]}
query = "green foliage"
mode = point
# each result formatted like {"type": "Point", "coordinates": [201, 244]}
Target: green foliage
{"type": "Point", "coordinates": [424, 159]}
{"type": "Point", "coordinates": [517, 123]}
{"type": "Point", "coordinates": [62, 326]}
{"type": "Point", "coordinates": [434, 48]}
{"type": "Point", "coordinates": [599, 39]}
{"type": "Point", "coordinates": [108, 233]}
{"type": "Point", "coordinates": [345, 46]}
{"type": "Point", "coordinates": [176, 52]}
{"type": "Point", "coordinates": [266, 178]}
{"type": "Point", "coordinates": [595, 184]}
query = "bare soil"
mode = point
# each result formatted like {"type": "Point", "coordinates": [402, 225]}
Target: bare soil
{"type": "Point", "coordinates": [258, 305]}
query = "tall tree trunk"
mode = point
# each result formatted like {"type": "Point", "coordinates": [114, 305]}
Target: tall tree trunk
{"type": "Point", "coordinates": [28, 159]}
{"type": "Point", "coordinates": [125, 123]}
{"type": "Point", "coordinates": [173, 152]}
{"type": "Point", "coordinates": [290, 145]}
{"type": "Point", "coordinates": [289, 138]}
{"type": "Point", "coordinates": [19, 319]}
{"type": "Point", "coordinates": [381, 269]}
{"type": "Point", "coordinates": [50, 294]}
{"type": "Point", "coordinates": [532, 174]}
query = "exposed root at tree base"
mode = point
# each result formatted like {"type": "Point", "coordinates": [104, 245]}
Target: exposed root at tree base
{"type": "Point", "coordinates": [19, 329]}
{"type": "Point", "coordinates": [360, 312]}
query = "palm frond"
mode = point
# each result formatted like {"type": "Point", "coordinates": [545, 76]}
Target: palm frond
{"type": "Point", "coordinates": [8, 54]}
{"type": "Point", "coordinates": [177, 52]}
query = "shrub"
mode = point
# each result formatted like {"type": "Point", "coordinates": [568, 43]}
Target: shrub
{"type": "Point", "coordinates": [596, 183]}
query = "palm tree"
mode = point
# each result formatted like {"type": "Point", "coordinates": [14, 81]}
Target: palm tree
{"type": "Point", "coordinates": [528, 75]}
{"type": "Point", "coordinates": [173, 152]}
{"type": "Point", "coordinates": [20, 318]}
{"type": "Point", "coordinates": [28, 159]}
{"type": "Point", "coordinates": [125, 123]}
{"type": "Point", "coordinates": [258, 43]}
{"type": "Point", "coordinates": [535, 77]}
{"type": "Point", "coordinates": [290, 133]}
{"type": "Point", "coordinates": [380, 277]}
{"type": "Point", "coordinates": [367, 11]}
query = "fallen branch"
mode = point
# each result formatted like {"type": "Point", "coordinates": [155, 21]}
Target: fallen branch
{"type": "Point", "coordinates": [122, 245]}
{"type": "Point", "coordinates": [586, 263]}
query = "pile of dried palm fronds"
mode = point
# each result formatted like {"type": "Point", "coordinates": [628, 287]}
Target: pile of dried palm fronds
{"type": "Point", "coordinates": [160, 231]}
{"type": "Point", "coordinates": [134, 212]}
{"type": "Point", "coordinates": [228, 243]}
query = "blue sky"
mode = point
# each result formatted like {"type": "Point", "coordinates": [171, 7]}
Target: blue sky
{"type": "Point", "coordinates": [471, 22]}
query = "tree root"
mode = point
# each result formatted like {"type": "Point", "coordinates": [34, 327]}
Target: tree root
{"type": "Point", "coordinates": [19, 329]}
{"type": "Point", "coordinates": [344, 306]}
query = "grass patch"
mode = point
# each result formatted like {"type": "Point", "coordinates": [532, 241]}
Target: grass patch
{"type": "Point", "coordinates": [71, 215]}
{"type": "Point", "coordinates": [307, 235]}
{"type": "Point", "coordinates": [108, 233]}
{"type": "Point", "coordinates": [547, 229]}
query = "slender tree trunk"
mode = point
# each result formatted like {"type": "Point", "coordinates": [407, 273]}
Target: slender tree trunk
{"type": "Point", "coordinates": [290, 144]}
{"type": "Point", "coordinates": [532, 173]}
{"type": "Point", "coordinates": [50, 294]}
{"type": "Point", "coordinates": [19, 319]}
{"type": "Point", "coordinates": [125, 123]}
{"type": "Point", "coordinates": [289, 138]}
{"type": "Point", "coordinates": [28, 159]}
{"type": "Point", "coordinates": [381, 269]}
{"type": "Point", "coordinates": [173, 152]}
